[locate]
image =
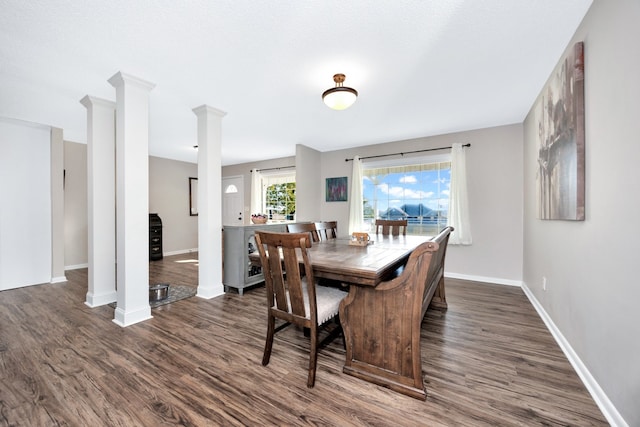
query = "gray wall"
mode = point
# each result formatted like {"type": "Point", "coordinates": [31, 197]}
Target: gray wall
{"type": "Point", "coordinates": [244, 169]}
{"type": "Point", "coordinates": [494, 168]}
{"type": "Point", "coordinates": [592, 293]}
{"type": "Point", "coordinates": [494, 164]}
{"type": "Point", "coordinates": [168, 197]}
{"type": "Point", "coordinates": [75, 205]}
{"type": "Point", "coordinates": [308, 183]}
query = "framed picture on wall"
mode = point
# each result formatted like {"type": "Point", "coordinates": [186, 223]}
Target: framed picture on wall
{"type": "Point", "coordinates": [193, 196]}
{"type": "Point", "coordinates": [560, 185]}
{"type": "Point", "coordinates": [336, 189]}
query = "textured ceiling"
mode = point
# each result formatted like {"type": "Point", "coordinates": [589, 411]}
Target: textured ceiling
{"type": "Point", "coordinates": [421, 67]}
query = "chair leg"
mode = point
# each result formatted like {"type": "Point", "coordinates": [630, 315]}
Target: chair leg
{"type": "Point", "coordinates": [269, 341]}
{"type": "Point", "coordinates": [313, 357]}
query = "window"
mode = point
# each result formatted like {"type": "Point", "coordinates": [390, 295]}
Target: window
{"type": "Point", "coordinates": [281, 201]}
{"type": "Point", "coordinates": [417, 191]}
{"type": "Point", "coordinates": [279, 196]}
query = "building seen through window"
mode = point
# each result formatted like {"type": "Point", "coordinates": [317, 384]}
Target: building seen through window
{"type": "Point", "coordinates": [418, 193]}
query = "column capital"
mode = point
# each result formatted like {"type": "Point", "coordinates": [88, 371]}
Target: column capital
{"type": "Point", "coordinates": [89, 101]}
{"type": "Point", "coordinates": [120, 78]}
{"type": "Point", "coordinates": [206, 109]}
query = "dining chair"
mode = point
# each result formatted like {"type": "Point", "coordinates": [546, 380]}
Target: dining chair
{"type": "Point", "coordinates": [327, 229]}
{"type": "Point", "coordinates": [394, 227]}
{"type": "Point", "coordinates": [292, 293]}
{"type": "Point", "coordinates": [304, 227]}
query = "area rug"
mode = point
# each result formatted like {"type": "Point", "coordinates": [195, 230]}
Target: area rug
{"type": "Point", "coordinates": [176, 293]}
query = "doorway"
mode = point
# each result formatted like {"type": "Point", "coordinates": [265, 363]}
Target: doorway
{"type": "Point", "coordinates": [233, 200]}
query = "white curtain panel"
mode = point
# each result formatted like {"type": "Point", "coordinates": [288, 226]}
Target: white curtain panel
{"type": "Point", "coordinates": [256, 192]}
{"type": "Point", "coordinates": [356, 217]}
{"type": "Point", "coordinates": [458, 199]}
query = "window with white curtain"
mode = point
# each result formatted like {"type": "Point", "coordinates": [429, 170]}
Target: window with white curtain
{"type": "Point", "coordinates": [279, 195]}
{"type": "Point", "coordinates": [415, 189]}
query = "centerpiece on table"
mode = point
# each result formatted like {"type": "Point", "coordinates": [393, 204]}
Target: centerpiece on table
{"type": "Point", "coordinates": [259, 218]}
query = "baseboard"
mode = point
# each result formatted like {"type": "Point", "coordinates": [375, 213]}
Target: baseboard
{"type": "Point", "coordinates": [492, 280]}
{"type": "Point", "coordinates": [58, 279]}
{"type": "Point", "coordinates": [608, 410]}
{"type": "Point", "coordinates": [180, 252]}
{"type": "Point", "coordinates": [86, 265]}
{"type": "Point", "coordinates": [75, 267]}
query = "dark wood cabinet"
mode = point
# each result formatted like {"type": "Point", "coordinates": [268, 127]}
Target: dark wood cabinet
{"type": "Point", "coordinates": [155, 237]}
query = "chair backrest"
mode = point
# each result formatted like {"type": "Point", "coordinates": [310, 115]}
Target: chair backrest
{"type": "Point", "coordinates": [304, 227]}
{"type": "Point", "coordinates": [287, 292]}
{"type": "Point", "coordinates": [327, 229]}
{"type": "Point", "coordinates": [395, 227]}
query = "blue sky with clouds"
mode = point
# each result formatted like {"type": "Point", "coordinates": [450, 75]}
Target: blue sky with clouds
{"type": "Point", "coordinates": [431, 188]}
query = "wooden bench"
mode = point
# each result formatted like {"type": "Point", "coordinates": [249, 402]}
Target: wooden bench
{"type": "Point", "coordinates": [388, 318]}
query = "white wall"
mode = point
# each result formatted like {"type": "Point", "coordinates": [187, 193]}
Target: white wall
{"type": "Point", "coordinates": [494, 167]}
{"type": "Point", "coordinates": [25, 211]}
{"type": "Point", "coordinates": [592, 293]}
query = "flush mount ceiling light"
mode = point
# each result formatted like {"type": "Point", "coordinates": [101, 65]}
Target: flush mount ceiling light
{"type": "Point", "coordinates": [339, 97]}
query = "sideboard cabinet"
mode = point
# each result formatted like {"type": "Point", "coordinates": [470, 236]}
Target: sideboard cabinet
{"type": "Point", "coordinates": [239, 242]}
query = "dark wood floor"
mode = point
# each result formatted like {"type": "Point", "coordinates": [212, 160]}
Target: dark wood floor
{"type": "Point", "coordinates": [487, 360]}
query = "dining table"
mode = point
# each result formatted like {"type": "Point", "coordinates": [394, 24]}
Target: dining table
{"type": "Point", "coordinates": [366, 265]}
{"type": "Point", "coordinates": [370, 354]}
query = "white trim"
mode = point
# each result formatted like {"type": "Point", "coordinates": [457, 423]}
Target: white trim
{"type": "Point", "coordinates": [406, 160]}
{"type": "Point", "coordinates": [25, 123]}
{"type": "Point", "coordinates": [124, 319]}
{"type": "Point", "coordinates": [76, 266]}
{"type": "Point", "coordinates": [180, 252]}
{"type": "Point", "coordinates": [94, 300]}
{"type": "Point", "coordinates": [58, 279]}
{"type": "Point", "coordinates": [490, 280]}
{"type": "Point", "coordinates": [606, 406]}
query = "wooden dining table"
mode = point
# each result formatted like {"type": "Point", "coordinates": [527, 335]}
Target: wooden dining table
{"type": "Point", "coordinates": [364, 268]}
{"type": "Point", "coordinates": [366, 265]}
{"type": "Point", "coordinates": [369, 265]}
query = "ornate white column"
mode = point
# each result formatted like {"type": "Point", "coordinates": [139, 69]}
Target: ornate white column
{"type": "Point", "coordinates": [132, 198]}
{"type": "Point", "coordinates": [101, 198]}
{"type": "Point", "coordinates": [209, 201]}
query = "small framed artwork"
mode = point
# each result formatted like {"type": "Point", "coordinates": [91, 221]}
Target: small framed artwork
{"type": "Point", "coordinates": [336, 189]}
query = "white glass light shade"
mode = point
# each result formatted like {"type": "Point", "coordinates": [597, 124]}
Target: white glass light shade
{"type": "Point", "coordinates": [340, 98]}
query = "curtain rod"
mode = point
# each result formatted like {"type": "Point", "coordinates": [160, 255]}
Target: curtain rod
{"type": "Point", "coordinates": [272, 169]}
{"type": "Point", "coordinates": [406, 152]}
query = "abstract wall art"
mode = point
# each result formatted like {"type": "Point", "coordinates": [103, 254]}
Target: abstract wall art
{"type": "Point", "coordinates": [336, 189]}
{"type": "Point", "coordinates": [560, 180]}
